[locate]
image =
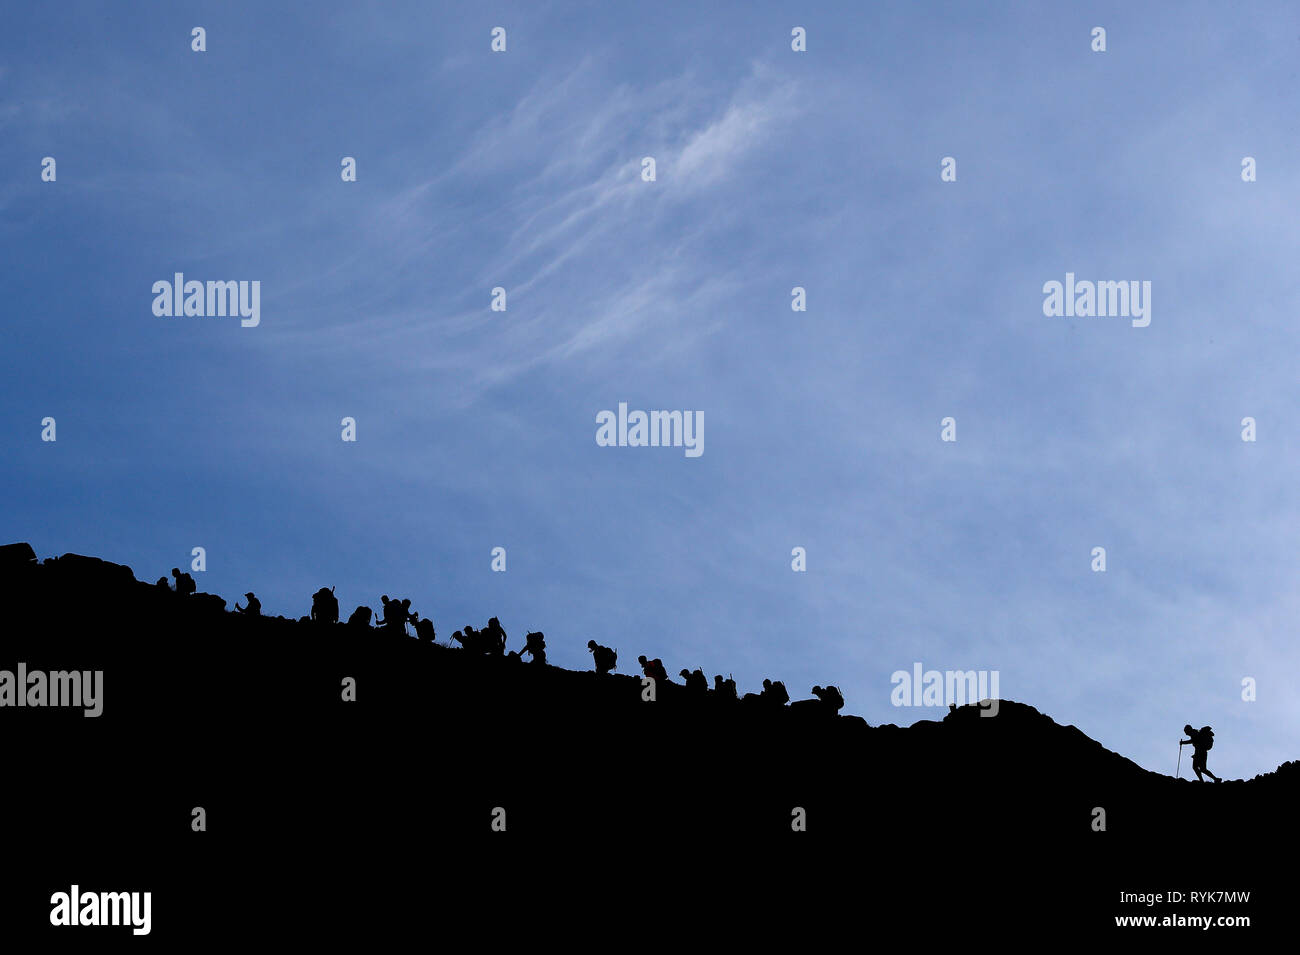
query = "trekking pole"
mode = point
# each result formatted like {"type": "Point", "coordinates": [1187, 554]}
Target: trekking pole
{"type": "Point", "coordinates": [1180, 761]}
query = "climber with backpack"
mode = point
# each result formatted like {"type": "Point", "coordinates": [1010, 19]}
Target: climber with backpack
{"type": "Point", "coordinates": [830, 696]}
{"type": "Point", "coordinates": [184, 582]}
{"type": "Point", "coordinates": [697, 684]}
{"type": "Point", "coordinates": [395, 615]}
{"type": "Point", "coordinates": [1201, 740]}
{"type": "Point", "coordinates": [424, 630]}
{"type": "Point", "coordinates": [325, 606]}
{"type": "Point", "coordinates": [654, 669]}
{"type": "Point", "coordinates": [774, 693]}
{"type": "Point", "coordinates": [605, 658]}
{"type": "Point", "coordinates": [494, 638]}
{"type": "Point", "coordinates": [725, 689]}
{"type": "Point", "coordinates": [535, 643]}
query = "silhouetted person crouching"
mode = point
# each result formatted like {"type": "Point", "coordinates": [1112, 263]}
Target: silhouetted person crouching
{"type": "Point", "coordinates": [830, 697]}
{"type": "Point", "coordinates": [254, 608]}
{"type": "Point", "coordinates": [184, 582]}
{"type": "Point", "coordinates": [604, 658]}
{"type": "Point", "coordinates": [697, 684]}
{"type": "Point", "coordinates": [535, 643]}
{"type": "Point", "coordinates": [469, 638]}
{"type": "Point", "coordinates": [424, 630]}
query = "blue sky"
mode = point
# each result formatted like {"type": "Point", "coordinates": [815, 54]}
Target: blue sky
{"type": "Point", "coordinates": [775, 169]}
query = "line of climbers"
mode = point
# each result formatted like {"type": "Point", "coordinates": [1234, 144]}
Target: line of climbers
{"type": "Point", "coordinates": [491, 641]}
{"type": "Point", "coordinates": [773, 695]}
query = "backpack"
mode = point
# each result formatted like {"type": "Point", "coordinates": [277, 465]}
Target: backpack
{"type": "Point", "coordinates": [185, 584]}
{"type": "Point", "coordinates": [1206, 738]}
{"type": "Point", "coordinates": [834, 697]}
{"type": "Point", "coordinates": [325, 606]}
{"type": "Point", "coordinates": [779, 695]}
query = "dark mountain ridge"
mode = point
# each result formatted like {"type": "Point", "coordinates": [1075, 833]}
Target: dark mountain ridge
{"type": "Point", "coordinates": [246, 717]}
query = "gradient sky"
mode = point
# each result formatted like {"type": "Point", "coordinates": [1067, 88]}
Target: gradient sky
{"type": "Point", "coordinates": [476, 428]}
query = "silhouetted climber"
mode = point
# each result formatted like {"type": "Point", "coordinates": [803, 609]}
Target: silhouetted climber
{"type": "Point", "coordinates": [726, 689]}
{"type": "Point", "coordinates": [494, 637]}
{"type": "Point", "coordinates": [482, 641]}
{"type": "Point", "coordinates": [254, 608]}
{"type": "Point", "coordinates": [469, 639]}
{"type": "Point", "coordinates": [774, 693]}
{"type": "Point", "coordinates": [395, 615]}
{"type": "Point", "coordinates": [830, 697]}
{"type": "Point", "coordinates": [1201, 741]}
{"type": "Point", "coordinates": [604, 658]}
{"type": "Point", "coordinates": [697, 684]}
{"type": "Point", "coordinates": [653, 669]}
{"type": "Point", "coordinates": [424, 630]}
{"type": "Point", "coordinates": [360, 617]}
{"type": "Point", "coordinates": [325, 606]}
{"type": "Point", "coordinates": [535, 643]}
{"type": "Point", "coordinates": [184, 582]}
{"type": "Point", "coordinates": [163, 584]}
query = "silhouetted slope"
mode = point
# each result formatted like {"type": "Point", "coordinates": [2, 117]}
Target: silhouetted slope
{"type": "Point", "coordinates": [245, 717]}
